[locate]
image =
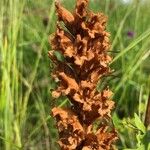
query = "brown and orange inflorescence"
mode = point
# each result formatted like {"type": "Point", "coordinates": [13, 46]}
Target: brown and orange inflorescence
{"type": "Point", "coordinates": [82, 39]}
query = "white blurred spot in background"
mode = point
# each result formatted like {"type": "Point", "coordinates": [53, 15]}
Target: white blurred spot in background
{"type": "Point", "coordinates": [126, 1]}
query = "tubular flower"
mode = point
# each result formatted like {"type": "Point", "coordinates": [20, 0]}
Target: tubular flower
{"type": "Point", "coordinates": [82, 40]}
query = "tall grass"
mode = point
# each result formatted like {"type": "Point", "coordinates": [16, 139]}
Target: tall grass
{"type": "Point", "coordinates": [25, 82]}
{"type": "Point", "coordinates": [11, 66]}
{"type": "Point", "coordinates": [17, 74]}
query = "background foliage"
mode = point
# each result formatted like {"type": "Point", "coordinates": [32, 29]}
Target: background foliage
{"type": "Point", "coordinates": [25, 83]}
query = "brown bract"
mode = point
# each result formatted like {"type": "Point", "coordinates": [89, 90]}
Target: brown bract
{"type": "Point", "coordinates": [82, 39]}
{"type": "Point", "coordinates": [70, 130]}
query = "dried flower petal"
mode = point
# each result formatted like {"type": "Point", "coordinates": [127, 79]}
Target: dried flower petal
{"type": "Point", "coordinates": [70, 130]}
{"type": "Point", "coordinates": [81, 8]}
{"type": "Point", "coordinates": [84, 46]}
{"type": "Point", "coordinates": [98, 141]}
{"type": "Point", "coordinates": [63, 14]}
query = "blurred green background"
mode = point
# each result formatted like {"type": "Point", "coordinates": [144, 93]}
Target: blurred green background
{"type": "Point", "coordinates": [25, 82]}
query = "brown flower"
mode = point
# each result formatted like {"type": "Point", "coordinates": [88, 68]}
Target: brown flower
{"type": "Point", "coordinates": [83, 42]}
{"type": "Point", "coordinates": [70, 130]}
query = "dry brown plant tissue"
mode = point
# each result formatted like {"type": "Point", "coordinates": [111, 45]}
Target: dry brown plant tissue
{"type": "Point", "coordinates": [82, 39]}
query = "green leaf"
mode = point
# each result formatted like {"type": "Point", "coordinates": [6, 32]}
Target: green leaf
{"type": "Point", "coordinates": [139, 124]}
{"type": "Point", "coordinates": [129, 149]}
{"type": "Point", "coordinates": [141, 147]}
{"type": "Point", "coordinates": [59, 56]}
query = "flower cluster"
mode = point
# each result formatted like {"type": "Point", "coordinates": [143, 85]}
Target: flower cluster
{"type": "Point", "coordinates": [82, 40]}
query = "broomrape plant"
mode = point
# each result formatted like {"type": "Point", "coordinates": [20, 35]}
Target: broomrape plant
{"type": "Point", "coordinates": [82, 42]}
